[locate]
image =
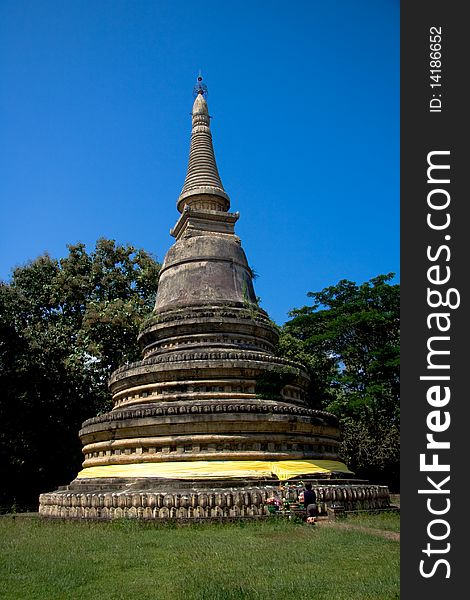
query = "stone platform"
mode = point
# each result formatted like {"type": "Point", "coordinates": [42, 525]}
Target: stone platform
{"type": "Point", "coordinates": [160, 500]}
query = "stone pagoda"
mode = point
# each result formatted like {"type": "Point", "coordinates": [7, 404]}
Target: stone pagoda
{"type": "Point", "coordinates": [210, 419]}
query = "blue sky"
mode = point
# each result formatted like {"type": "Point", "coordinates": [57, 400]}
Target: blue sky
{"type": "Point", "coordinates": [95, 99]}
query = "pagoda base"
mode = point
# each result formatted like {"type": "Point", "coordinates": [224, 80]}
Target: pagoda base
{"type": "Point", "coordinates": [157, 499]}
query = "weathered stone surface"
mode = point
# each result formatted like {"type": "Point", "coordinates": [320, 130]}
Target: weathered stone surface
{"type": "Point", "coordinates": [206, 503]}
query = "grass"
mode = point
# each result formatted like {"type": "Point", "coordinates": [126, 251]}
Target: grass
{"type": "Point", "coordinates": [387, 521]}
{"type": "Point", "coordinates": [41, 560]}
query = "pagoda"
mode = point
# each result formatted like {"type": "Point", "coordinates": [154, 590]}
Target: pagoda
{"type": "Point", "coordinates": [210, 420]}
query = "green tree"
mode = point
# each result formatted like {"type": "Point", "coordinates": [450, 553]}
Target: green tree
{"type": "Point", "coordinates": [65, 325]}
{"type": "Point", "coordinates": [349, 339]}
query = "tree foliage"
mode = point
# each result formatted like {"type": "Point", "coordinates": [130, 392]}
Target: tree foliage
{"type": "Point", "coordinates": [349, 339]}
{"type": "Point", "coordinates": [65, 325]}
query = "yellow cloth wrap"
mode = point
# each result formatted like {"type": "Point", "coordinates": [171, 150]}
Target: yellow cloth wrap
{"type": "Point", "coordinates": [217, 469]}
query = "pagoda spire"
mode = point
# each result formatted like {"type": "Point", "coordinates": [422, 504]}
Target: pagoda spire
{"type": "Point", "coordinates": [202, 178]}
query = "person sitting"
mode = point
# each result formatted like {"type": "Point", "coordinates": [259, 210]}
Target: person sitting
{"type": "Point", "coordinates": [310, 501]}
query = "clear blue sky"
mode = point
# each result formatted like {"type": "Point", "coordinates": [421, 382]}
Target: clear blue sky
{"type": "Point", "coordinates": [95, 97]}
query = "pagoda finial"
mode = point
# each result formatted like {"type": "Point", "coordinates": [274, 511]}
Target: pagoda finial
{"type": "Point", "coordinates": [202, 178]}
{"type": "Point", "coordinates": [200, 88]}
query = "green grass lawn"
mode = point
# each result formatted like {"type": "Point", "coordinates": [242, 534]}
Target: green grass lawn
{"type": "Point", "coordinates": [275, 559]}
{"type": "Point", "coordinates": [387, 521]}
